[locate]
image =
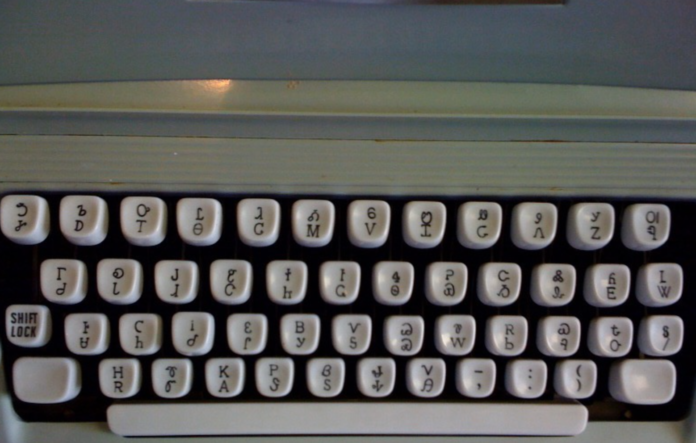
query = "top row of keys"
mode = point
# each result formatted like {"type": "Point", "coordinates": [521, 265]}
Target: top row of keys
{"type": "Point", "coordinates": [84, 221]}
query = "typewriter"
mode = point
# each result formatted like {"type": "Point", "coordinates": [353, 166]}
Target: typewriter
{"type": "Point", "coordinates": [405, 257]}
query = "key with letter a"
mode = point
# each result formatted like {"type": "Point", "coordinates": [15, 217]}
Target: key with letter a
{"type": "Point", "coordinates": [224, 377]}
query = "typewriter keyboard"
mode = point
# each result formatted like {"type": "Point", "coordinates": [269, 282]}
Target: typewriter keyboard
{"type": "Point", "coordinates": [221, 314]}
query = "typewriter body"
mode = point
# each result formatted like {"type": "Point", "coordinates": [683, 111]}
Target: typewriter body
{"type": "Point", "coordinates": [194, 253]}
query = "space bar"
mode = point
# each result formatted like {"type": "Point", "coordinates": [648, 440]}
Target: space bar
{"type": "Point", "coordinates": [347, 418]}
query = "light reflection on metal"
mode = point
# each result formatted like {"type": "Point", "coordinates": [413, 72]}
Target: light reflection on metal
{"type": "Point", "coordinates": [215, 87]}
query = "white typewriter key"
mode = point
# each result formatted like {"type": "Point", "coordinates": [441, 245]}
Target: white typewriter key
{"type": "Point", "coordinates": [403, 334]}
{"type": "Point", "coordinates": [445, 283]}
{"type": "Point", "coordinates": [172, 377]}
{"type": "Point", "coordinates": [479, 224]}
{"type": "Point", "coordinates": [476, 377]}
{"type": "Point", "coordinates": [533, 225]}
{"type": "Point", "coordinates": [193, 333]}
{"type": "Point", "coordinates": [84, 219]}
{"type": "Point", "coordinates": [610, 336]}
{"type": "Point", "coordinates": [553, 284]}
{"type": "Point", "coordinates": [231, 281]}
{"type": "Point", "coordinates": [392, 282]}
{"type": "Point", "coordinates": [499, 283]}
{"type": "Point", "coordinates": [313, 222]}
{"type": "Point", "coordinates": [558, 336]}
{"type": "Point", "coordinates": [643, 382]}
{"type": "Point", "coordinates": [368, 223]}
{"type": "Point", "coordinates": [659, 284]}
{"type": "Point", "coordinates": [425, 377]}
{"type": "Point", "coordinates": [506, 335]}
{"type": "Point", "coordinates": [120, 377]}
{"type": "Point", "coordinates": [87, 334]}
{"type": "Point", "coordinates": [590, 225]}
{"type": "Point", "coordinates": [299, 333]}
{"type": "Point", "coordinates": [25, 219]}
{"type": "Point", "coordinates": [286, 281]}
{"type": "Point", "coordinates": [46, 380]}
{"type": "Point", "coordinates": [576, 379]}
{"type": "Point", "coordinates": [140, 334]}
{"type": "Point", "coordinates": [455, 334]}
{"type": "Point", "coordinates": [339, 282]}
{"type": "Point", "coordinates": [351, 333]}
{"type": "Point", "coordinates": [274, 376]}
{"type": "Point", "coordinates": [376, 377]}
{"type": "Point", "coordinates": [224, 377]}
{"type": "Point", "coordinates": [424, 224]}
{"type": "Point", "coordinates": [63, 281]}
{"type": "Point", "coordinates": [526, 378]}
{"type": "Point", "coordinates": [645, 226]}
{"type": "Point", "coordinates": [199, 221]}
{"type": "Point", "coordinates": [258, 221]}
{"type": "Point", "coordinates": [144, 220]}
{"type": "Point", "coordinates": [607, 286]}
{"type": "Point", "coordinates": [247, 334]}
{"type": "Point", "coordinates": [325, 376]}
{"type": "Point", "coordinates": [120, 281]}
{"type": "Point", "coordinates": [176, 281]}
{"type": "Point", "coordinates": [661, 335]}
{"type": "Point", "coordinates": [28, 326]}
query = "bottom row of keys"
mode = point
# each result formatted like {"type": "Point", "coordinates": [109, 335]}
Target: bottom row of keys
{"type": "Point", "coordinates": [55, 380]}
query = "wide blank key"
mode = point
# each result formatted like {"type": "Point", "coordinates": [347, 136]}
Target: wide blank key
{"type": "Point", "coordinates": [643, 382]}
{"type": "Point", "coordinates": [347, 418]}
{"type": "Point", "coordinates": [46, 380]}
